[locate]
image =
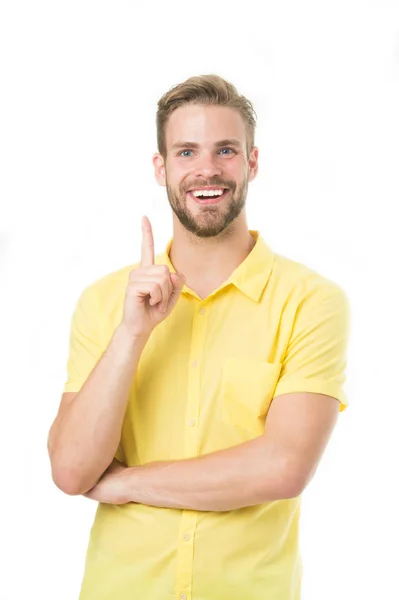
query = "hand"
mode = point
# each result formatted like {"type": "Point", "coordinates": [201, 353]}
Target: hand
{"type": "Point", "coordinates": [120, 484]}
{"type": "Point", "coordinates": [114, 485]}
{"type": "Point", "coordinates": [115, 467]}
{"type": "Point", "coordinates": [152, 291]}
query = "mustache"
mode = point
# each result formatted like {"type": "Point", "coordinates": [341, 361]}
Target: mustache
{"type": "Point", "coordinates": [195, 184]}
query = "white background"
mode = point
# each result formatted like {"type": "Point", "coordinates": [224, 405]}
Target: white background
{"type": "Point", "coordinates": [79, 87]}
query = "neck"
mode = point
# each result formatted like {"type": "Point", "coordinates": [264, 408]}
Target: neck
{"type": "Point", "coordinates": [207, 260]}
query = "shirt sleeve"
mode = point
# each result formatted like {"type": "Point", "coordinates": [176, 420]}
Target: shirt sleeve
{"type": "Point", "coordinates": [86, 346]}
{"type": "Point", "coordinates": [316, 357]}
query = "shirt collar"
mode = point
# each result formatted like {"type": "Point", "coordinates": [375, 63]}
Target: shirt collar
{"type": "Point", "coordinates": [250, 277]}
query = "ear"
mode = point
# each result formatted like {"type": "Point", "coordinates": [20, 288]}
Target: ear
{"type": "Point", "coordinates": [253, 163]}
{"type": "Point", "coordinates": [159, 168]}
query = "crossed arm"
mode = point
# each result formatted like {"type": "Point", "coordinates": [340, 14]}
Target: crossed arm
{"type": "Point", "coordinates": [278, 464]}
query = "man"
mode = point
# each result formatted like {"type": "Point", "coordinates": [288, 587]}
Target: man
{"type": "Point", "coordinates": [203, 383]}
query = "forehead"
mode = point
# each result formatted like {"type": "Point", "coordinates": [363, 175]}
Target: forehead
{"type": "Point", "coordinates": [204, 124]}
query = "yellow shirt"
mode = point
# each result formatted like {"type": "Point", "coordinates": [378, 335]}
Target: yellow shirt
{"type": "Point", "coordinates": [205, 382]}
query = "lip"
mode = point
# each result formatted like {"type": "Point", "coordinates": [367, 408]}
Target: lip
{"type": "Point", "coordinates": [214, 200]}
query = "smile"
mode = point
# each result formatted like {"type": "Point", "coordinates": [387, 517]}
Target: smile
{"type": "Point", "coordinates": [209, 199]}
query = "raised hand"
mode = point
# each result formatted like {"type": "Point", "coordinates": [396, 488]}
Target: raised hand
{"type": "Point", "coordinates": [152, 291]}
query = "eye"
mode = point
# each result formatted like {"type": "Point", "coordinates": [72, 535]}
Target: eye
{"type": "Point", "coordinates": [228, 149]}
{"type": "Point", "coordinates": [180, 153]}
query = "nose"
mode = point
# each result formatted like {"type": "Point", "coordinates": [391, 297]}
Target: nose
{"type": "Point", "coordinates": [207, 166]}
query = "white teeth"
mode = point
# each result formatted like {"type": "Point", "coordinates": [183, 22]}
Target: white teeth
{"type": "Point", "coordinates": [209, 193]}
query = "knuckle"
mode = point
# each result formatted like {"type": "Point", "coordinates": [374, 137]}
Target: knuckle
{"type": "Point", "coordinates": [135, 273]}
{"type": "Point", "coordinates": [166, 280]}
{"type": "Point", "coordinates": [132, 286]}
{"type": "Point", "coordinates": [156, 290]}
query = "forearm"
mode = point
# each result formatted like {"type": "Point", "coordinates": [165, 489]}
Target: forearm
{"type": "Point", "coordinates": [83, 441]}
{"type": "Point", "coordinates": [245, 475]}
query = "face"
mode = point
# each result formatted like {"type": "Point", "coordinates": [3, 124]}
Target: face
{"type": "Point", "coordinates": [206, 148]}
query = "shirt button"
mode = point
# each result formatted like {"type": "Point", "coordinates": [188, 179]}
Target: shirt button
{"type": "Point", "coordinates": [186, 537]}
{"type": "Point", "coordinates": [202, 311]}
{"type": "Point", "coordinates": [191, 422]}
{"type": "Point", "coordinates": [195, 363]}
{"type": "Point", "coordinates": [183, 597]}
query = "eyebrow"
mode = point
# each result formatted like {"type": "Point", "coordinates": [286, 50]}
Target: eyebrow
{"type": "Point", "coordinates": [227, 142]}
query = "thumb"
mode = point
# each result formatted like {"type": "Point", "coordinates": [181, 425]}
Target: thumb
{"type": "Point", "coordinates": [178, 280]}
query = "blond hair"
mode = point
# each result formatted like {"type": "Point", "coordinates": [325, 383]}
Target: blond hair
{"type": "Point", "coordinates": [206, 90]}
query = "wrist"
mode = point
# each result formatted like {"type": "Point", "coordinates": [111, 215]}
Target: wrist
{"type": "Point", "coordinates": [123, 336]}
{"type": "Point", "coordinates": [131, 484]}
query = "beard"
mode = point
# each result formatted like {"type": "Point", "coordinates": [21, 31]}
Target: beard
{"type": "Point", "coordinates": [210, 220]}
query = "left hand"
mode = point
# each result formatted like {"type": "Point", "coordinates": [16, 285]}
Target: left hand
{"type": "Point", "coordinates": [119, 483]}
{"type": "Point", "coordinates": [114, 485]}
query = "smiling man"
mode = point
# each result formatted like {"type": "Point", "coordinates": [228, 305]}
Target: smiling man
{"type": "Point", "coordinates": [203, 209]}
{"type": "Point", "coordinates": [203, 384]}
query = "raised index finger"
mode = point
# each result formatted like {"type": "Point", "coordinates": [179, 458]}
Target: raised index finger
{"type": "Point", "coordinates": [147, 245]}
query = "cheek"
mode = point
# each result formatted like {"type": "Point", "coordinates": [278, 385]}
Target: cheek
{"type": "Point", "coordinates": [177, 176]}
{"type": "Point", "coordinates": [236, 167]}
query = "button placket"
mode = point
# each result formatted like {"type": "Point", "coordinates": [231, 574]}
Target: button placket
{"type": "Point", "coordinates": [185, 547]}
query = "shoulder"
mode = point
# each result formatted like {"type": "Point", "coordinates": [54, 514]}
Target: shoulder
{"type": "Point", "coordinates": [301, 285]}
{"type": "Point", "coordinates": [107, 292]}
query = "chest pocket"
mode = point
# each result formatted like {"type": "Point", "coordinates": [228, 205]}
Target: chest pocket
{"type": "Point", "coordinates": [247, 391]}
